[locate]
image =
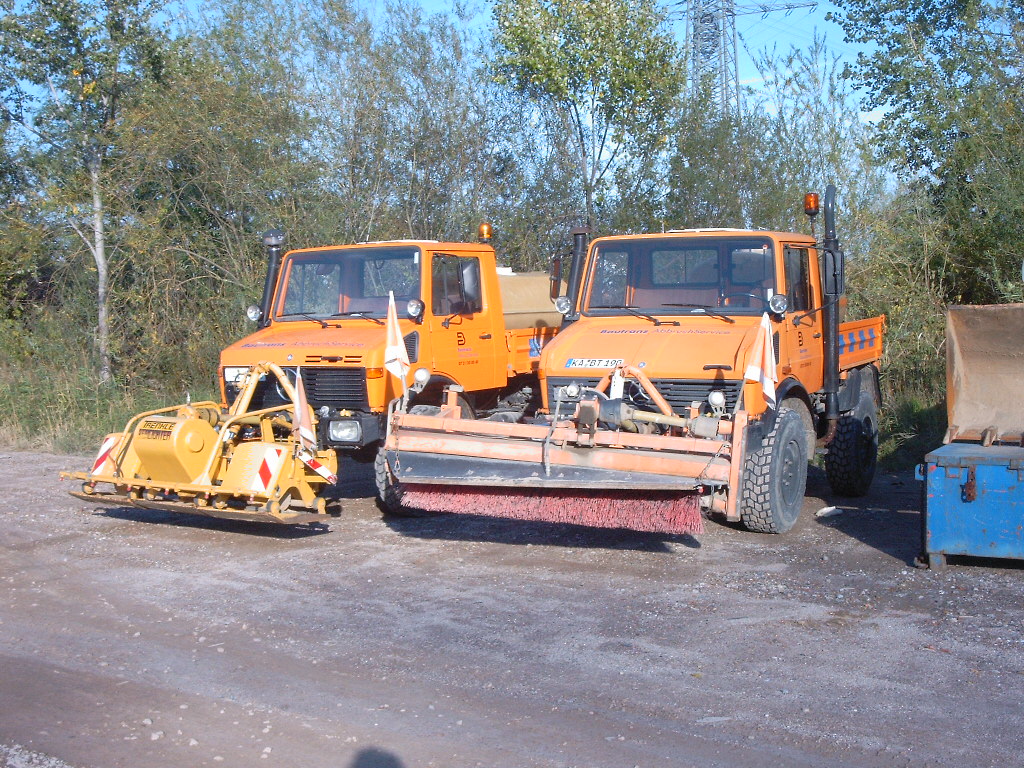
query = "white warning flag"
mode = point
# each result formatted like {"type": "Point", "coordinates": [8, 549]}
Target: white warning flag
{"type": "Point", "coordinates": [396, 359]}
{"type": "Point", "coordinates": [303, 428]}
{"type": "Point", "coordinates": [761, 366]}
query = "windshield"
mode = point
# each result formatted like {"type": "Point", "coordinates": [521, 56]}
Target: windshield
{"type": "Point", "coordinates": [731, 275]}
{"type": "Point", "coordinates": [349, 282]}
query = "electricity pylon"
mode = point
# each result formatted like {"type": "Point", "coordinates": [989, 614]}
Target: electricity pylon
{"type": "Point", "coordinates": [712, 45]}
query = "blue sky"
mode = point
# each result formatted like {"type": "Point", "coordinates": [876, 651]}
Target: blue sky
{"type": "Point", "coordinates": [757, 32]}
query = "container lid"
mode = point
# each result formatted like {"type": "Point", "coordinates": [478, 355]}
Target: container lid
{"type": "Point", "coordinates": [968, 454]}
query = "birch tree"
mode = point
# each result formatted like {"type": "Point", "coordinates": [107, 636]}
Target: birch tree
{"type": "Point", "coordinates": [66, 70]}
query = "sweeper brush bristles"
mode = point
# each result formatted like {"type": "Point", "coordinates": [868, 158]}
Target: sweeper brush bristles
{"type": "Point", "coordinates": [653, 511]}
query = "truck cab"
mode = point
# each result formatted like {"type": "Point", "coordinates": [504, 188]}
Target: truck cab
{"type": "Point", "coordinates": [683, 306]}
{"type": "Point", "coordinates": [324, 318]}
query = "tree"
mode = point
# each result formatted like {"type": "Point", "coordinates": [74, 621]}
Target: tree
{"type": "Point", "coordinates": [69, 66]}
{"type": "Point", "coordinates": [801, 131]}
{"type": "Point", "coordinates": [946, 77]}
{"type": "Point", "coordinates": [611, 66]}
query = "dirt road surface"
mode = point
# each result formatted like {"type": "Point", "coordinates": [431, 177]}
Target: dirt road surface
{"type": "Point", "coordinates": [147, 639]}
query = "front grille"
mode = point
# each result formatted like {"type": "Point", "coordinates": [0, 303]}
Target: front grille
{"type": "Point", "coordinates": [678, 392]}
{"type": "Point", "coordinates": [344, 359]}
{"type": "Point", "coordinates": [681, 392]}
{"type": "Point", "coordinates": [412, 346]}
{"type": "Point", "coordinates": [337, 387]}
{"type": "Point", "coordinates": [334, 387]}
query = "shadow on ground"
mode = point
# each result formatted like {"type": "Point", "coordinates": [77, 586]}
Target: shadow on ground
{"type": "Point", "coordinates": [465, 527]}
{"type": "Point", "coordinates": [887, 519]}
{"type": "Point", "coordinates": [241, 527]}
{"type": "Point", "coordinates": [376, 758]}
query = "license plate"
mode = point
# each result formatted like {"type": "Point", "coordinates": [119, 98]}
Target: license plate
{"type": "Point", "coordinates": [593, 362]}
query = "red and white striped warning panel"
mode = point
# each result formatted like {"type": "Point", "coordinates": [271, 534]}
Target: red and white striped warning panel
{"type": "Point", "coordinates": [255, 468]}
{"type": "Point", "coordinates": [310, 461]}
{"type": "Point", "coordinates": [268, 469]}
{"type": "Point", "coordinates": [106, 448]}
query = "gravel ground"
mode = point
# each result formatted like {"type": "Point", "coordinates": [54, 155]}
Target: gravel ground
{"type": "Point", "coordinates": [137, 638]}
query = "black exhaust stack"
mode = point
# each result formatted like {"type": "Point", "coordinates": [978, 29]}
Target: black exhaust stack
{"type": "Point", "coordinates": [273, 239]}
{"type": "Point", "coordinates": [580, 243]}
{"type": "Point", "coordinates": [832, 264]}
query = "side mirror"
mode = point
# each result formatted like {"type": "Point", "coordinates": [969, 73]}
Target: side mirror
{"type": "Point", "coordinates": [471, 286]}
{"type": "Point", "coordinates": [834, 266]}
{"type": "Point", "coordinates": [556, 277]}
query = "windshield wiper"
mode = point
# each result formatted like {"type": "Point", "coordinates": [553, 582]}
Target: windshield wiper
{"type": "Point", "coordinates": [323, 323]}
{"type": "Point", "coordinates": [706, 310]}
{"type": "Point", "coordinates": [634, 311]}
{"type": "Point", "coordinates": [363, 315]}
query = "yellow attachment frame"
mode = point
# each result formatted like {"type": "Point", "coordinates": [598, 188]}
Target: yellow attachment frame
{"type": "Point", "coordinates": [237, 464]}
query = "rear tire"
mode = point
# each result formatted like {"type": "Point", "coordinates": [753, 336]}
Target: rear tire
{"type": "Point", "coordinates": [853, 452]}
{"type": "Point", "coordinates": [775, 477]}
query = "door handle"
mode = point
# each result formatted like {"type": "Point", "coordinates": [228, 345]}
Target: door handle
{"type": "Point", "coordinates": [817, 335]}
{"type": "Point", "coordinates": [485, 335]}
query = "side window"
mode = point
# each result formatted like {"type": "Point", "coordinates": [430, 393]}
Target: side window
{"type": "Point", "coordinates": [798, 278]}
{"type": "Point", "coordinates": [456, 285]}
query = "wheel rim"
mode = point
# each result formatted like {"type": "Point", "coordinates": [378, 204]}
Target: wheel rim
{"type": "Point", "coordinates": [866, 444]}
{"type": "Point", "coordinates": [790, 474]}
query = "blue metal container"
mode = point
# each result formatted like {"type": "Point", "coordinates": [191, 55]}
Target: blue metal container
{"type": "Point", "coordinates": [974, 502]}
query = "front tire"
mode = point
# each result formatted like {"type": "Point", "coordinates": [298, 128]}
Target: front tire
{"type": "Point", "coordinates": [775, 477]}
{"type": "Point", "coordinates": [853, 452]}
{"type": "Point", "coordinates": [389, 490]}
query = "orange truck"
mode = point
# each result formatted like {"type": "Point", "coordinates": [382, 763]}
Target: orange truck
{"type": "Point", "coordinates": [467, 321]}
{"type": "Point", "coordinates": [696, 374]}
{"type": "Point", "coordinates": [311, 382]}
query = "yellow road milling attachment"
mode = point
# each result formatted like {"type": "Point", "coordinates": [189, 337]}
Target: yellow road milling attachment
{"type": "Point", "coordinates": [258, 465]}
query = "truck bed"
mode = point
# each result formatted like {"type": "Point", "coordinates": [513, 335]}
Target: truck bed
{"type": "Point", "coordinates": [860, 342]}
{"type": "Point", "coordinates": [524, 346]}
{"type": "Point", "coordinates": [530, 318]}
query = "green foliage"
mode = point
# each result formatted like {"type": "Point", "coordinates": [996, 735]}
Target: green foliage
{"type": "Point", "coordinates": [50, 398]}
{"type": "Point", "coordinates": [611, 65]}
{"type": "Point", "coordinates": [338, 125]}
{"type": "Point", "coordinates": [800, 133]}
{"type": "Point", "coordinates": [946, 77]}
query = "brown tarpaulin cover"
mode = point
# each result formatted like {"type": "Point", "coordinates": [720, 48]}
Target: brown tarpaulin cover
{"type": "Point", "coordinates": [985, 372]}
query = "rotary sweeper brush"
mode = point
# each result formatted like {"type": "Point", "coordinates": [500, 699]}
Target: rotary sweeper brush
{"type": "Point", "coordinates": [258, 465]}
{"type": "Point", "coordinates": [595, 467]}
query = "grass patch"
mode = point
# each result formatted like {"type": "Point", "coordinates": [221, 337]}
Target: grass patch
{"type": "Point", "coordinates": [912, 427]}
{"type": "Point", "coordinates": [65, 409]}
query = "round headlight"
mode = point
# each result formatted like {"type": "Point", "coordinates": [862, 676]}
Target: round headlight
{"type": "Point", "coordinates": [254, 313]}
{"type": "Point", "coordinates": [573, 391]}
{"type": "Point", "coordinates": [716, 398]}
{"type": "Point", "coordinates": [778, 304]}
{"type": "Point", "coordinates": [563, 305]}
{"type": "Point", "coordinates": [421, 376]}
{"type": "Point", "coordinates": [414, 309]}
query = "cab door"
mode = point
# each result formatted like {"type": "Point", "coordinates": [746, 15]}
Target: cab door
{"type": "Point", "coordinates": [802, 348]}
{"type": "Point", "coordinates": [463, 331]}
